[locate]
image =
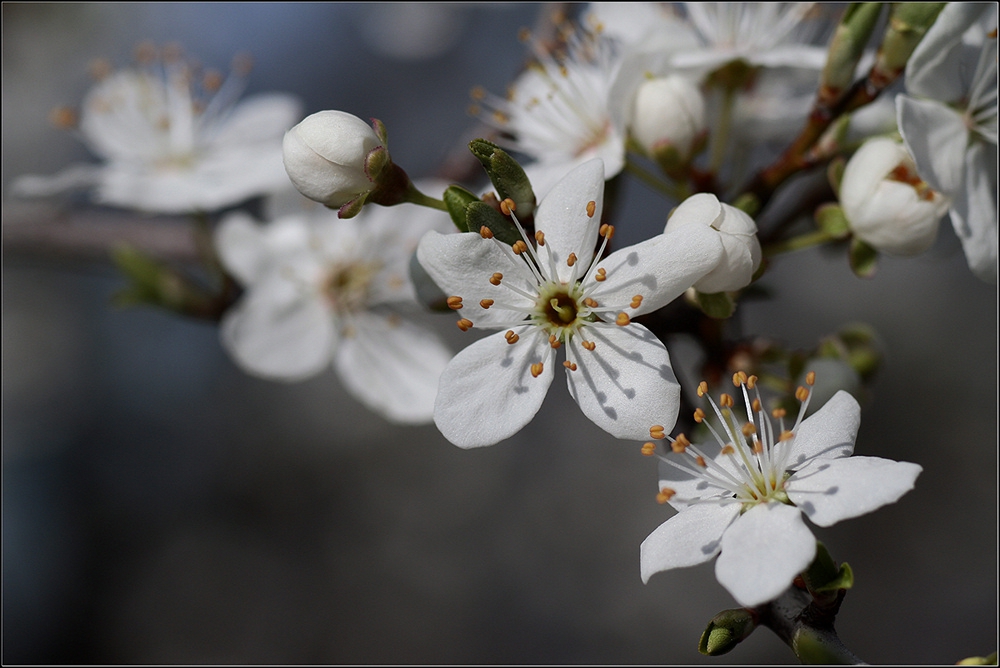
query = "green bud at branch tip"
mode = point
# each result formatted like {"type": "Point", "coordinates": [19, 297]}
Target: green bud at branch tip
{"type": "Point", "coordinates": [726, 630]}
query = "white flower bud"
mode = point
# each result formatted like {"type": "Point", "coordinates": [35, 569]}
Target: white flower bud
{"type": "Point", "coordinates": [886, 204]}
{"type": "Point", "coordinates": [738, 232]}
{"type": "Point", "coordinates": [325, 157]}
{"type": "Point", "coordinates": [669, 112]}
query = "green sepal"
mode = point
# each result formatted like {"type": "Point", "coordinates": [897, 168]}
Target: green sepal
{"type": "Point", "coordinates": [726, 630]}
{"type": "Point", "coordinates": [353, 207]}
{"type": "Point", "coordinates": [718, 305]}
{"type": "Point", "coordinates": [457, 198]}
{"type": "Point", "coordinates": [748, 203]}
{"type": "Point", "coordinates": [863, 258]}
{"type": "Point", "coordinates": [835, 173]}
{"type": "Point", "coordinates": [480, 214]}
{"type": "Point", "coordinates": [831, 219]}
{"type": "Point", "coordinates": [381, 132]}
{"type": "Point", "coordinates": [824, 575]}
{"type": "Point", "coordinates": [507, 175]}
{"type": "Point", "coordinates": [153, 283]}
{"type": "Point", "coordinates": [376, 161]}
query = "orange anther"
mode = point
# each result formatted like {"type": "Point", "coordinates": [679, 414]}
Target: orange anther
{"type": "Point", "coordinates": [622, 319]}
{"type": "Point", "coordinates": [536, 369]}
{"type": "Point", "coordinates": [454, 303]}
{"type": "Point", "coordinates": [465, 324]}
{"type": "Point", "coordinates": [485, 232]}
{"type": "Point", "coordinates": [486, 303]}
{"type": "Point", "coordinates": [591, 208]}
{"type": "Point", "coordinates": [496, 278]}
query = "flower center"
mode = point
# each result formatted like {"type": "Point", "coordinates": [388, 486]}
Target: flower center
{"type": "Point", "coordinates": [346, 286]}
{"type": "Point", "coordinates": [559, 309]}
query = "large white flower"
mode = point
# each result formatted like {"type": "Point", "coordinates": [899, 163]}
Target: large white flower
{"type": "Point", "coordinates": [949, 123]}
{"type": "Point", "coordinates": [174, 142]}
{"type": "Point", "coordinates": [554, 292]}
{"type": "Point", "coordinates": [322, 289]}
{"type": "Point", "coordinates": [743, 498]}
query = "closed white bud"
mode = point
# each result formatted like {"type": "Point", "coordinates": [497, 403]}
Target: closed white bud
{"type": "Point", "coordinates": [738, 232]}
{"type": "Point", "coordinates": [887, 205]}
{"type": "Point", "coordinates": [326, 155]}
{"type": "Point", "coordinates": [669, 114]}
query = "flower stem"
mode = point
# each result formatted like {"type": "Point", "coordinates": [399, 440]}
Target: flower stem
{"type": "Point", "coordinates": [817, 238]}
{"type": "Point", "coordinates": [414, 196]}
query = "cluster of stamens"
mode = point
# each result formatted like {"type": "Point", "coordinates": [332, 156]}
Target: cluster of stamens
{"type": "Point", "coordinates": [756, 450]}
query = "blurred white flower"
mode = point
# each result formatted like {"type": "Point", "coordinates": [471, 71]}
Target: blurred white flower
{"type": "Point", "coordinates": [949, 123]}
{"type": "Point", "coordinates": [743, 499]}
{"type": "Point", "coordinates": [174, 139]}
{"type": "Point", "coordinates": [741, 252]}
{"type": "Point", "coordinates": [326, 154]}
{"type": "Point", "coordinates": [320, 289]}
{"type": "Point", "coordinates": [886, 204]}
{"type": "Point", "coordinates": [555, 291]}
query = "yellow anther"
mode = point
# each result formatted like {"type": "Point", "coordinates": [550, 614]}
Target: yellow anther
{"type": "Point", "coordinates": [540, 238]}
{"type": "Point", "coordinates": [100, 68]}
{"type": "Point", "coordinates": [465, 324]}
{"type": "Point", "coordinates": [786, 435]}
{"type": "Point", "coordinates": [569, 365]}
{"type": "Point", "coordinates": [591, 302]}
{"type": "Point", "coordinates": [63, 118]}
{"type": "Point", "coordinates": [665, 495]}
{"type": "Point", "coordinates": [485, 232]}
{"type": "Point", "coordinates": [778, 413]}
{"type": "Point", "coordinates": [811, 378]}
{"type": "Point", "coordinates": [649, 449]}
{"type": "Point", "coordinates": [636, 301]}
{"type": "Point", "coordinates": [571, 260]}
{"type": "Point", "coordinates": [496, 278]}
{"type": "Point", "coordinates": [536, 369]}
{"type": "Point", "coordinates": [699, 415]}
{"type": "Point", "coordinates": [702, 388]}
{"type": "Point", "coordinates": [725, 400]}
{"type": "Point", "coordinates": [486, 303]}
{"type": "Point", "coordinates": [454, 303]}
{"type": "Point", "coordinates": [500, 117]}
{"type": "Point", "coordinates": [680, 444]}
{"type": "Point", "coordinates": [607, 231]}
{"type": "Point", "coordinates": [748, 429]}
{"type": "Point", "coordinates": [755, 406]}
{"type": "Point", "coordinates": [802, 393]}
{"type": "Point", "coordinates": [758, 447]}
{"type": "Point", "coordinates": [739, 378]}
{"type": "Point", "coordinates": [477, 93]}
{"type": "Point", "coordinates": [507, 205]}
{"type": "Point", "coordinates": [656, 432]}
{"type": "Point", "coordinates": [728, 449]}
{"type": "Point", "coordinates": [591, 208]}
{"type": "Point", "coordinates": [701, 462]}
{"type": "Point", "coordinates": [601, 275]}
{"type": "Point", "coordinates": [589, 345]}
{"type": "Point", "coordinates": [622, 319]}
{"type": "Point", "coordinates": [554, 342]}
{"type": "Point", "coordinates": [212, 81]}
{"type": "Point", "coordinates": [751, 382]}
{"type": "Point", "coordinates": [563, 70]}
{"type": "Point", "coordinates": [519, 247]}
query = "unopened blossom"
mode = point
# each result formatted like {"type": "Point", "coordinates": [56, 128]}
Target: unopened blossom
{"type": "Point", "coordinates": [741, 252]}
{"type": "Point", "coordinates": [173, 138]}
{"type": "Point", "coordinates": [326, 155]}
{"type": "Point", "coordinates": [887, 205]}
{"type": "Point", "coordinates": [552, 292]}
{"type": "Point", "coordinates": [322, 290]}
{"type": "Point", "coordinates": [948, 121]}
{"type": "Point", "coordinates": [669, 115]}
{"type": "Point", "coordinates": [564, 110]}
{"type": "Point", "coordinates": [743, 497]}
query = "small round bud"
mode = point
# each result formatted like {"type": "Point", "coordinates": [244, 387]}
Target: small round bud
{"type": "Point", "coordinates": [887, 205]}
{"type": "Point", "coordinates": [669, 116]}
{"type": "Point", "coordinates": [326, 157]}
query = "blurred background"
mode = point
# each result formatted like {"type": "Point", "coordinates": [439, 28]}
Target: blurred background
{"type": "Point", "coordinates": [160, 506]}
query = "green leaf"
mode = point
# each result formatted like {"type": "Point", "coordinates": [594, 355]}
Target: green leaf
{"type": "Point", "coordinates": [831, 219]}
{"type": "Point", "coordinates": [456, 199]}
{"type": "Point", "coordinates": [718, 305]}
{"type": "Point", "coordinates": [481, 214]}
{"type": "Point", "coordinates": [863, 258]}
{"type": "Point", "coordinates": [507, 175]}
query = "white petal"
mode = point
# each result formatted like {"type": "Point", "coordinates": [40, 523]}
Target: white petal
{"type": "Point", "coordinates": [690, 537]}
{"type": "Point", "coordinates": [462, 264]}
{"type": "Point", "coordinates": [763, 551]}
{"type": "Point", "coordinates": [626, 384]}
{"type": "Point", "coordinates": [974, 211]}
{"type": "Point", "coordinates": [660, 269]}
{"type": "Point", "coordinates": [276, 332]}
{"type": "Point", "coordinates": [834, 490]}
{"type": "Point", "coordinates": [936, 137]}
{"type": "Point", "coordinates": [562, 216]}
{"type": "Point", "coordinates": [934, 69]}
{"type": "Point", "coordinates": [687, 486]}
{"type": "Point", "coordinates": [259, 118]}
{"type": "Point", "coordinates": [487, 392]}
{"type": "Point", "coordinates": [73, 177]}
{"type": "Point", "coordinates": [392, 366]}
{"type": "Point", "coordinates": [829, 433]}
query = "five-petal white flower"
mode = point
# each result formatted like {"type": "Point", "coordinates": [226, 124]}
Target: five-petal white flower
{"type": "Point", "coordinates": [561, 294]}
{"type": "Point", "coordinates": [169, 146]}
{"type": "Point", "coordinates": [949, 123]}
{"type": "Point", "coordinates": [322, 289]}
{"type": "Point", "coordinates": [745, 503]}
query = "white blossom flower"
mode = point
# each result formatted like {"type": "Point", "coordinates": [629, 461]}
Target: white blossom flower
{"type": "Point", "coordinates": [562, 111]}
{"type": "Point", "coordinates": [174, 144]}
{"type": "Point", "coordinates": [949, 123]}
{"type": "Point", "coordinates": [554, 292]}
{"type": "Point", "coordinates": [886, 204]}
{"type": "Point", "coordinates": [325, 156]}
{"type": "Point", "coordinates": [743, 499]}
{"type": "Point", "coordinates": [741, 252]}
{"type": "Point", "coordinates": [669, 113]}
{"type": "Point", "coordinates": [322, 289]}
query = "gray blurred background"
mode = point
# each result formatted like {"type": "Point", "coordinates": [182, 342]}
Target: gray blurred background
{"type": "Point", "coordinates": [160, 506]}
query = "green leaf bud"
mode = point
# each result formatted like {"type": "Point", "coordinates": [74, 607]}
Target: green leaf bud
{"type": "Point", "coordinates": [846, 47]}
{"type": "Point", "coordinates": [863, 258]}
{"type": "Point", "coordinates": [726, 630]}
{"type": "Point", "coordinates": [507, 175]}
{"type": "Point", "coordinates": [480, 215]}
{"type": "Point", "coordinates": [831, 219]}
{"type": "Point", "coordinates": [456, 199]}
